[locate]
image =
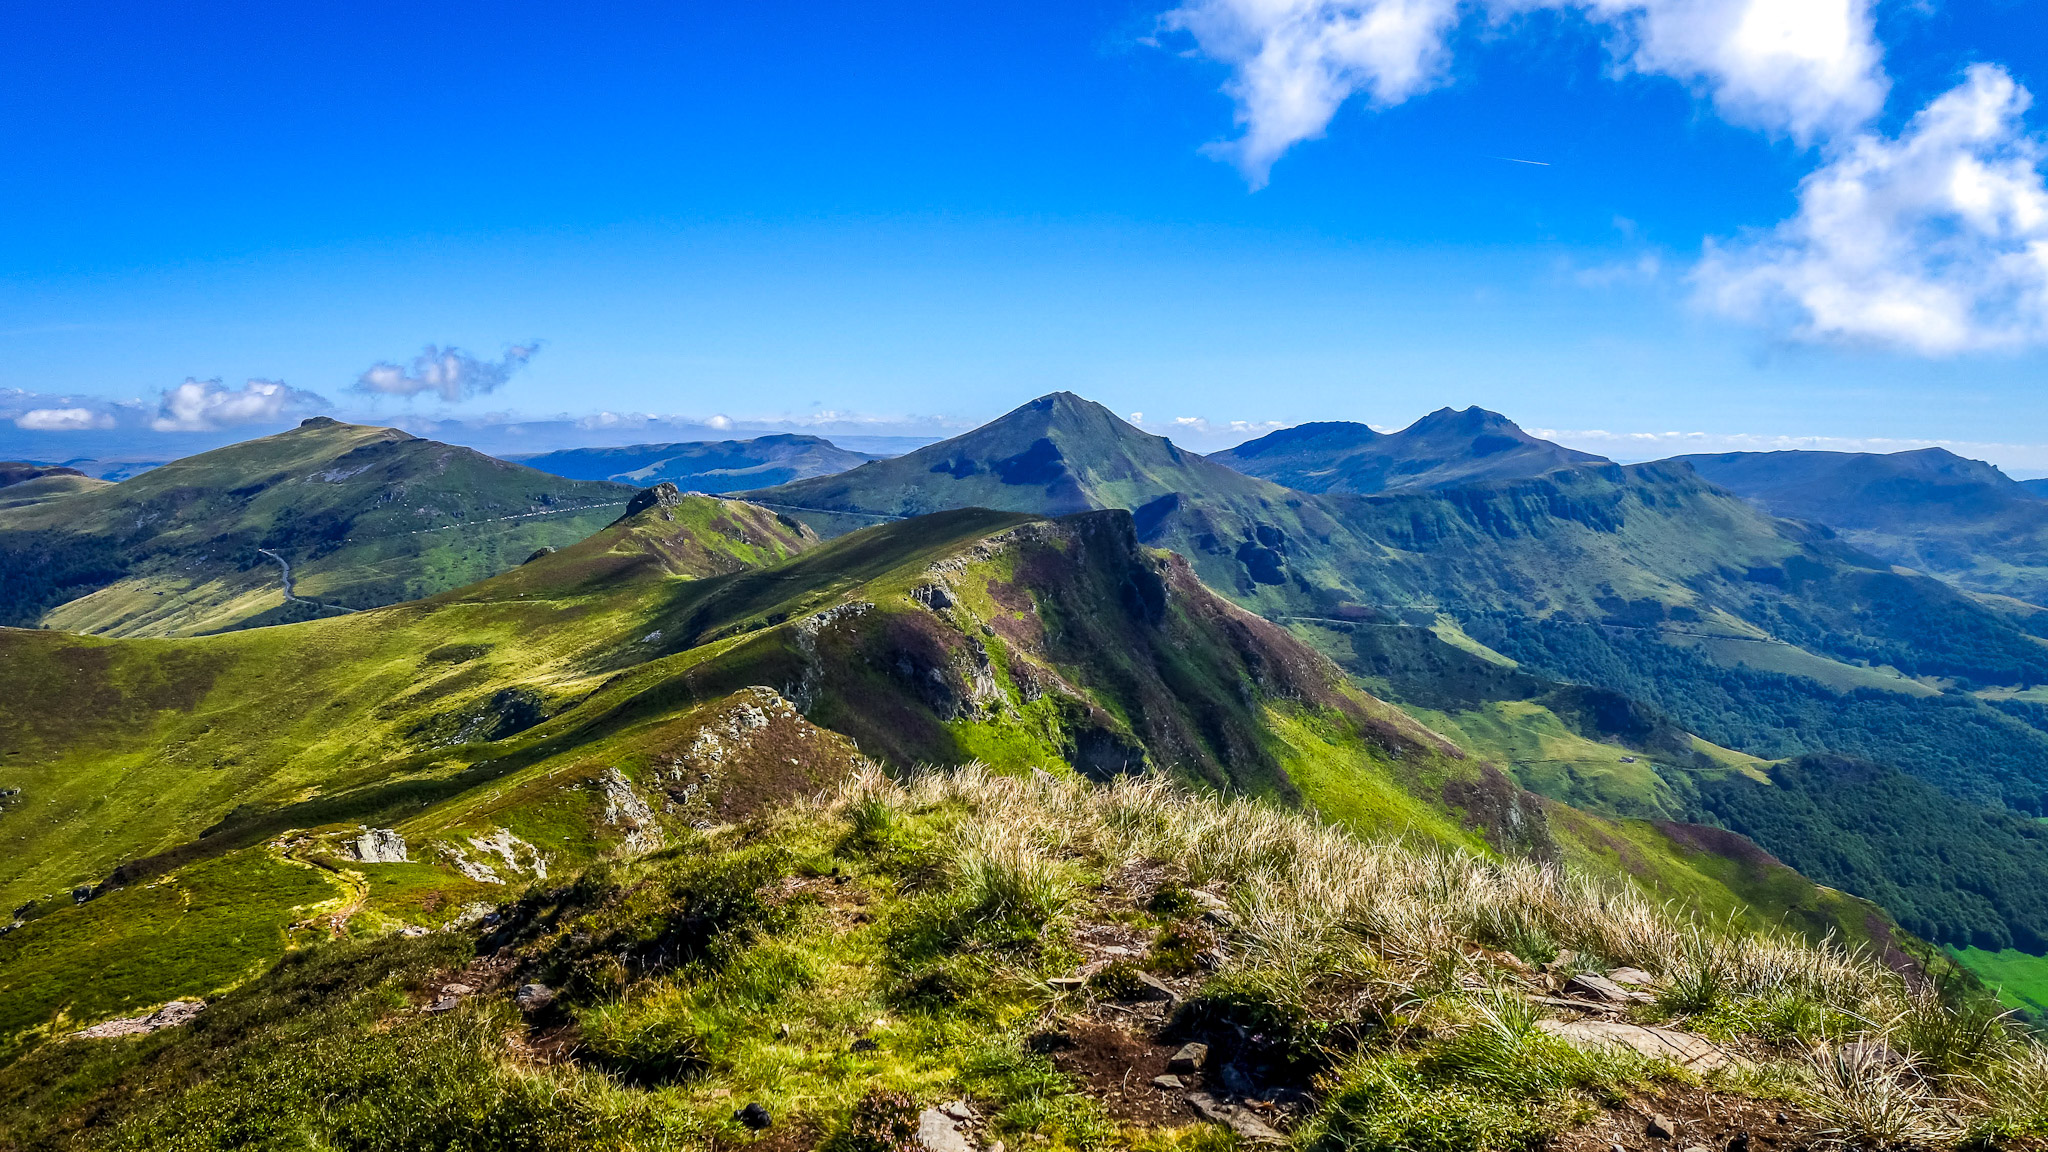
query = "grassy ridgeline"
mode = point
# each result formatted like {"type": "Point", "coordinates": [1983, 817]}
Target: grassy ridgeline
{"type": "Point", "coordinates": [892, 944]}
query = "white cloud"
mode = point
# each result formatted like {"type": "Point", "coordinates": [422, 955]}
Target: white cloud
{"type": "Point", "coordinates": [1296, 61]}
{"type": "Point", "coordinates": [63, 420]}
{"type": "Point", "coordinates": [203, 405]}
{"type": "Point", "coordinates": [448, 372]}
{"type": "Point", "coordinates": [1935, 241]}
{"type": "Point", "coordinates": [1807, 68]}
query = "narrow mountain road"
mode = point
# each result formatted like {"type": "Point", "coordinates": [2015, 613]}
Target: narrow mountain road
{"type": "Point", "coordinates": [292, 597]}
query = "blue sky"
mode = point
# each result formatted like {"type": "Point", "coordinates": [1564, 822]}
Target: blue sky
{"type": "Point", "coordinates": [915, 216]}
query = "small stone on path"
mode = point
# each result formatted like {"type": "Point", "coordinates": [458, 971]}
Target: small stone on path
{"type": "Point", "coordinates": [1190, 1058]}
{"type": "Point", "coordinates": [1169, 1082]}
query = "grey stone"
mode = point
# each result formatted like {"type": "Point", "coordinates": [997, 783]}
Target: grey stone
{"type": "Point", "coordinates": [959, 1110]}
{"type": "Point", "coordinates": [1659, 1127]}
{"type": "Point", "coordinates": [1234, 1117]}
{"type": "Point", "coordinates": [1190, 1058]}
{"type": "Point", "coordinates": [1632, 976]}
{"type": "Point", "coordinates": [1170, 1082]}
{"type": "Point", "coordinates": [457, 989]}
{"type": "Point", "coordinates": [1598, 988]}
{"type": "Point", "coordinates": [533, 997]}
{"type": "Point", "coordinates": [938, 1132]}
{"type": "Point", "coordinates": [1683, 1048]}
{"type": "Point", "coordinates": [1156, 989]}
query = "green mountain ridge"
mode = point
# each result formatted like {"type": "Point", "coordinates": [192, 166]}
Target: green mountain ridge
{"type": "Point", "coordinates": [363, 516]}
{"type": "Point", "coordinates": [1929, 509]}
{"type": "Point", "coordinates": [702, 466]}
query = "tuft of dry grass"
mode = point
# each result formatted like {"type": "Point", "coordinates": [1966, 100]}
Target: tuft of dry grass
{"type": "Point", "coordinates": [1409, 925]}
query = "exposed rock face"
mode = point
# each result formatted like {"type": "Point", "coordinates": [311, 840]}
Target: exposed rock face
{"type": "Point", "coordinates": [518, 855]}
{"type": "Point", "coordinates": [624, 808]}
{"type": "Point", "coordinates": [379, 846]}
{"type": "Point", "coordinates": [662, 495]}
{"type": "Point", "coordinates": [169, 1016]}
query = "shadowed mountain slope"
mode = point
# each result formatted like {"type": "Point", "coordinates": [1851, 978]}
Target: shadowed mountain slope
{"type": "Point", "coordinates": [1928, 509]}
{"type": "Point", "coordinates": [1444, 449]}
{"type": "Point", "coordinates": [363, 517]}
{"type": "Point", "coordinates": [703, 466]}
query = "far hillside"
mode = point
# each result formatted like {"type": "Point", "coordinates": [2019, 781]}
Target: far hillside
{"type": "Point", "coordinates": [703, 466]}
{"type": "Point", "coordinates": [1930, 509]}
{"type": "Point", "coordinates": [319, 520]}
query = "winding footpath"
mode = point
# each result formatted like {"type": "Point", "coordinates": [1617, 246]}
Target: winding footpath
{"type": "Point", "coordinates": [291, 596]}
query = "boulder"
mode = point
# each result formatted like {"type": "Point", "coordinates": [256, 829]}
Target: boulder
{"type": "Point", "coordinates": [938, 1132]}
{"type": "Point", "coordinates": [1600, 988]}
{"type": "Point", "coordinates": [1682, 1048]}
{"type": "Point", "coordinates": [533, 997]}
{"type": "Point", "coordinates": [1190, 1058]}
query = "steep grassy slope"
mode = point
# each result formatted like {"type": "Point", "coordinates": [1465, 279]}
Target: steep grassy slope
{"type": "Point", "coordinates": [1445, 449]}
{"type": "Point", "coordinates": [1930, 509]}
{"type": "Point", "coordinates": [364, 516]}
{"type": "Point", "coordinates": [703, 466]}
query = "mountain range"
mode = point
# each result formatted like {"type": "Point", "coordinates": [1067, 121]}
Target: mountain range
{"type": "Point", "coordinates": [702, 466]}
{"type": "Point", "coordinates": [503, 691]}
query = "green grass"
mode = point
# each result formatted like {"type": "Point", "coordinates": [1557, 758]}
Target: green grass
{"type": "Point", "coordinates": [2021, 980]}
{"type": "Point", "coordinates": [208, 927]}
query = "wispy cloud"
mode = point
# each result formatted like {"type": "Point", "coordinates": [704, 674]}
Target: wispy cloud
{"type": "Point", "coordinates": [206, 405]}
{"type": "Point", "coordinates": [450, 373]}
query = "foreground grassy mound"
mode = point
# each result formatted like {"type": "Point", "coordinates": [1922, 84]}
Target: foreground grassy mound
{"type": "Point", "coordinates": [1038, 950]}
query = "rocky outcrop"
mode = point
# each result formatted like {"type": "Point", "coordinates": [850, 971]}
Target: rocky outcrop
{"type": "Point", "coordinates": [169, 1016]}
{"type": "Point", "coordinates": [624, 809]}
{"type": "Point", "coordinates": [379, 846]}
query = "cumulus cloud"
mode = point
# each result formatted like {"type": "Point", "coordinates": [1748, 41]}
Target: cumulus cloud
{"type": "Point", "coordinates": [1294, 62]}
{"type": "Point", "coordinates": [204, 405]}
{"type": "Point", "coordinates": [1806, 68]}
{"type": "Point", "coordinates": [63, 420]}
{"type": "Point", "coordinates": [449, 373]}
{"type": "Point", "coordinates": [1935, 240]}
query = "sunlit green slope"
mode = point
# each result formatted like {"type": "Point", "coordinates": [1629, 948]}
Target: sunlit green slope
{"type": "Point", "coordinates": [363, 516]}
